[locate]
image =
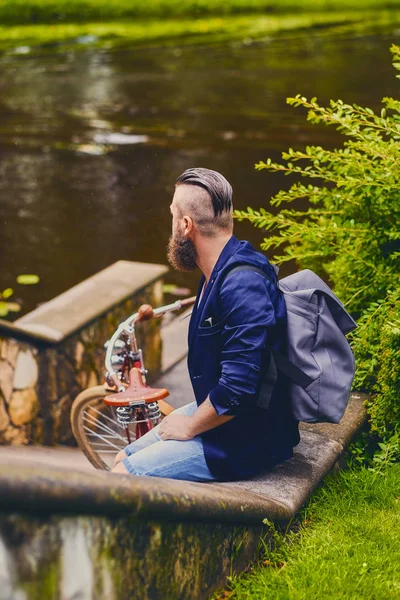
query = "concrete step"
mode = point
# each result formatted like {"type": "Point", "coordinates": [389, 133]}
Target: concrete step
{"type": "Point", "coordinates": [54, 457]}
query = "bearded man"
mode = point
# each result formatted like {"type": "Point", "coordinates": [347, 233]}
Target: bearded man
{"type": "Point", "coordinates": [238, 317]}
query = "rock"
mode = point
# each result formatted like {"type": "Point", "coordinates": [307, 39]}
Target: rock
{"type": "Point", "coordinates": [37, 432]}
{"type": "Point", "coordinates": [4, 418]}
{"type": "Point", "coordinates": [14, 436]}
{"type": "Point", "coordinates": [65, 374]}
{"type": "Point", "coordinates": [24, 406]}
{"type": "Point", "coordinates": [87, 379]}
{"type": "Point", "coordinates": [49, 374]}
{"type": "Point", "coordinates": [9, 351]}
{"type": "Point", "coordinates": [93, 379]}
{"type": "Point", "coordinates": [26, 371]}
{"type": "Point", "coordinates": [6, 380]}
{"type": "Point", "coordinates": [62, 433]}
{"type": "Point", "coordinates": [79, 350]}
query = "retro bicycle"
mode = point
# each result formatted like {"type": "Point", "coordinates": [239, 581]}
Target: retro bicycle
{"type": "Point", "coordinates": [105, 418]}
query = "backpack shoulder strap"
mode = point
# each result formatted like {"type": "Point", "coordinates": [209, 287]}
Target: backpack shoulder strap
{"type": "Point", "coordinates": [247, 268]}
{"type": "Point", "coordinates": [282, 363]}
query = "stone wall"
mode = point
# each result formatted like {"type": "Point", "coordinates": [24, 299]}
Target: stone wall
{"type": "Point", "coordinates": [119, 559]}
{"type": "Point", "coordinates": [69, 532]}
{"type": "Point", "coordinates": [39, 377]}
{"type": "Point", "coordinates": [19, 403]}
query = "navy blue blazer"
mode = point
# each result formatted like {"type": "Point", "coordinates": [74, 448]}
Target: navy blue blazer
{"type": "Point", "coordinates": [228, 333]}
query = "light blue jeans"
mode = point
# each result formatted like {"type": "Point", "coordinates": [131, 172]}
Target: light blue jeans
{"type": "Point", "coordinates": [150, 455]}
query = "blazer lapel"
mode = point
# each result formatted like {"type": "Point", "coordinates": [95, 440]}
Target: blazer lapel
{"type": "Point", "coordinates": [229, 249]}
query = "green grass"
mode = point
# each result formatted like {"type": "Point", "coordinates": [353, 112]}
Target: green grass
{"type": "Point", "coordinates": [53, 11]}
{"type": "Point", "coordinates": [184, 31]}
{"type": "Point", "coordinates": [348, 547]}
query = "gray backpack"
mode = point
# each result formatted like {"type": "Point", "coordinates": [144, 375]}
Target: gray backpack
{"type": "Point", "coordinates": [319, 362]}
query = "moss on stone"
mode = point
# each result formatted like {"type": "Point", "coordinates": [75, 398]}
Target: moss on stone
{"type": "Point", "coordinates": [129, 557]}
{"type": "Point", "coordinates": [46, 584]}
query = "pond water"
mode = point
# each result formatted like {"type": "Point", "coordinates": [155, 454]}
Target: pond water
{"type": "Point", "coordinates": [91, 141]}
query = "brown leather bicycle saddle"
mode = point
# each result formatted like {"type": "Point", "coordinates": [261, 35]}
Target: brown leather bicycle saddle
{"type": "Point", "coordinates": [137, 392]}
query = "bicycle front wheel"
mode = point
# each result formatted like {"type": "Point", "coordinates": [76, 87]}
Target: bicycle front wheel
{"type": "Point", "coordinates": [96, 428]}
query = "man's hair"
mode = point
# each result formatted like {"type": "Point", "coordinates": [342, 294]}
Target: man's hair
{"type": "Point", "coordinates": [214, 216]}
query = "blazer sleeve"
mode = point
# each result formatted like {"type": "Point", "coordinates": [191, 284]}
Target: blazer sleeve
{"type": "Point", "coordinates": [247, 312]}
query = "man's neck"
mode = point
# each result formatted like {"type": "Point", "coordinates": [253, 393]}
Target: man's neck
{"type": "Point", "coordinates": [208, 251]}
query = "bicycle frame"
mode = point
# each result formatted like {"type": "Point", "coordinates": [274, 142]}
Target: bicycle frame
{"type": "Point", "coordinates": [127, 328]}
{"type": "Point", "coordinates": [105, 418]}
{"type": "Point", "coordinates": [129, 356]}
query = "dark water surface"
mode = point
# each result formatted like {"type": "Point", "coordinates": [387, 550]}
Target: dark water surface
{"type": "Point", "coordinates": [92, 141]}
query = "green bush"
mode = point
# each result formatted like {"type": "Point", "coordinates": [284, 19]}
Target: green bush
{"type": "Point", "coordinates": [350, 233]}
{"type": "Point", "coordinates": [385, 409]}
{"type": "Point", "coordinates": [376, 343]}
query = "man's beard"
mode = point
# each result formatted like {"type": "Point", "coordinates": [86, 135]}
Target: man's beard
{"type": "Point", "coordinates": [181, 253]}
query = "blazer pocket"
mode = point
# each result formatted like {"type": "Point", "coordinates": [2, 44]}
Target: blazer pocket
{"type": "Point", "coordinates": [214, 329]}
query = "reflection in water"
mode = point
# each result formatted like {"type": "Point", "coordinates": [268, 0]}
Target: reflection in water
{"type": "Point", "coordinates": [92, 141]}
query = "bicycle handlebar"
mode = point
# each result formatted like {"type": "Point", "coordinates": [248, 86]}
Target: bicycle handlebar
{"type": "Point", "coordinates": [144, 313]}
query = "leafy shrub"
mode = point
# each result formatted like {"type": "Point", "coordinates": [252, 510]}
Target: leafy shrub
{"type": "Point", "coordinates": [376, 343]}
{"type": "Point", "coordinates": [385, 410]}
{"type": "Point", "coordinates": [350, 233]}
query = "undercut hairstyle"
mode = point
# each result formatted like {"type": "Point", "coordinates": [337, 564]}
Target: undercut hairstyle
{"type": "Point", "coordinates": [209, 201]}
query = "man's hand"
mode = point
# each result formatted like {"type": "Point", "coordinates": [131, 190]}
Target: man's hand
{"type": "Point", "coordinates": [176, 427]}
{"type": "Point", "coordinates": [183, 427]}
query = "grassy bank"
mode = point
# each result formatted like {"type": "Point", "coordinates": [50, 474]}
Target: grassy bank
{"type": "Point", "coordinates": [188, 31]}
{"type": "Point", "coordinates": [347, 548]}
{"type": "Point", "coordinates": [55, 11]}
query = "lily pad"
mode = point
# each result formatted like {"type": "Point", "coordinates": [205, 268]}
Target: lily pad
{"type": "Point", "coordinates": [28, 279]}
{"type": "Point", "coordinates": [7, 293]}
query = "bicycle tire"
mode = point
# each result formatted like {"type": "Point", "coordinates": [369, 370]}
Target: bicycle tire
{"type": "Point", "coordinates": [79, 424]}
{"type": "Point", "coordinates": [81, 403]}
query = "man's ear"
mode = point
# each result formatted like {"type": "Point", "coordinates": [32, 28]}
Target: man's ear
{"type": "Point", "coordinates": [187, 225]}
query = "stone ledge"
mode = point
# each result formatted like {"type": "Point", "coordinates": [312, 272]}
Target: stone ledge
{"type": "Point", "coordinates": [350, 424]}
{"type": "Point", "coordinates": [294, 481]}
{"type": "Point", "coordinates": [57, 319]}
{"type": "Point", "coordinates": [320, 447]}
{"type": "Point", "coordinates": [277, 495]}
{"type": "Point", "coordinates": [37, 489]}
{"type": "Point", "coordinates": [11, 330]}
